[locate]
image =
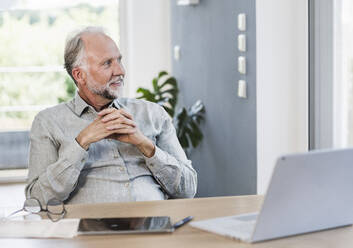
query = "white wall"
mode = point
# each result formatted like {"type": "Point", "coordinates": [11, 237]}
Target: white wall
{"type": "Point", "coordinates": [282, 82]}
{"type": "Point", "coordinates": [144, 41]}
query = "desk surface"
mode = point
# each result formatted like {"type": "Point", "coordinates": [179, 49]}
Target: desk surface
{"type": "Point", "coordinates": [200, 208]}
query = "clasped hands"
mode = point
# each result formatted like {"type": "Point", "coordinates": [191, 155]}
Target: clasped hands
{"type": "Point", "coordinates": [115, 124]}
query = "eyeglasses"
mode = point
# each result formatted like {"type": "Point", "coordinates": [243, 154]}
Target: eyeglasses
{"type": "Point", "coordinates": [55, 208]}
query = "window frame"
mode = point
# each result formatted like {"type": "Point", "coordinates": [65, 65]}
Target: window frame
{"type": "Point", "coordinates": [13, 176]}
{"type": "Point", "coordinates": [321, 74]}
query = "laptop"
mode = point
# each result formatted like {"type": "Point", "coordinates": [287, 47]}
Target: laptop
{"type": "Point", "coordinates": [308, 192]}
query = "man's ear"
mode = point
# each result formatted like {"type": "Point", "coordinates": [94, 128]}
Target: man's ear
{"type": "Point", "coordinates": [79, 75]}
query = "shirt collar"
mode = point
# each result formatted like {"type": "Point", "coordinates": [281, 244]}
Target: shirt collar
{"type": "Point", "coordinates": [80, 105]}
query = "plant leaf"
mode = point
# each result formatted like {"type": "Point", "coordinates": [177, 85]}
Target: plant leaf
{"type": "Point", "coordinates": [187, 124]}
{"type": "Point", "coordinates": [170, 81]}
{"type": "Point", "coordinates": [162, 73]}
{"type": "Point", "coordinates": [172, 102]}
{"type": "Point", "coordinates": [184, 141]}
{"type": "Point", "coordinates": [146, 94]}
{"type": "Point", "coordinates": [170, 111]}
{"type": "Point", "coordinates": [167, 97]}
{"type": "Point", "coordinates": [196, 135]}
{"type": "Point", "coordinates": [155, 84]}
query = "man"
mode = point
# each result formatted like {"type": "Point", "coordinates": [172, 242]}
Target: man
{"type": "Point", "coordinates": [100, 147]}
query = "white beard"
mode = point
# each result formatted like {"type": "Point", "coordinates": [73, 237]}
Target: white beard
{"type": "Point", "coordinates": [106, 91]}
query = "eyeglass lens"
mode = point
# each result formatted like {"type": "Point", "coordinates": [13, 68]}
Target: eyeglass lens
{"type": "Point", "coordinates": [32, 205]}
{"type": "Point", "coordinates": [55, 210]}
{"type": "Point", "coordinates": [55, 206]}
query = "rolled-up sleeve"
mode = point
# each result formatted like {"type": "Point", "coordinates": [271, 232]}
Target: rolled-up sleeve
{"type": "Point", "coordinates": [170, 166]}
{"type": "Point", "coordinates": [53, 168]}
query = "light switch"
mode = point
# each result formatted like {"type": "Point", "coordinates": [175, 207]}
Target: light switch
{"type": "Point", "coordinates": [176, 53]}
{"type": "Point", "coordinates": [187, 2]}
{"type": "Point", "coordinates": [242, 89]}
{"type": "Point", "coordinates": [242, 42]}
{"type": "Point", "coordinates": [242, 64]}
{"type": "Point", "coordinates": [242, 22]}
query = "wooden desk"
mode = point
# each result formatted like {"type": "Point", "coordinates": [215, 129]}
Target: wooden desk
{"type": "Point", "coordinates": [186, 236]}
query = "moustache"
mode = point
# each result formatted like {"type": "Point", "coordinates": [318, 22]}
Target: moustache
{"type": "Point", "coordinates": [119, 81]}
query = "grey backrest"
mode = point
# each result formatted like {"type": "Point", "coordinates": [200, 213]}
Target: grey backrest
{"type": "Point", "coordinates": [14, 148]}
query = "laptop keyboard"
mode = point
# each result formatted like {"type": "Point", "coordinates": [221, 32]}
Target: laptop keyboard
{"type": "Point", "coordinates": [249, 217]}
{"type": "Point", "coordinates": [238, 227]}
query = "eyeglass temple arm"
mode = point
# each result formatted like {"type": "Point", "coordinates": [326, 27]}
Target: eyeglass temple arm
{"type": "Point", "coordinates": [17, 211]}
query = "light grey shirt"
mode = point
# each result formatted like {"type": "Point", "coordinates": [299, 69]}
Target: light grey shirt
{"type": "Point", "coordinates": [110, 171]}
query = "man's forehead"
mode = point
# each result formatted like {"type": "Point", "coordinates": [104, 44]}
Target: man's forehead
{"type": "Point", "coordinates": [99, 45]}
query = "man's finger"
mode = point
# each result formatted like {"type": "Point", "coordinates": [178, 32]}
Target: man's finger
{"type": "Point", "coordinates": [122, 130]}
{"type": "Point", "coordinates": [126, 131]}
{"type": "Point", "coordinates": [126, 114]}
{"type": "Point", "coordinates": [122, 120]}
{"type": "Point", "coordinates": [112, 113]}
{"type": "Point", "coordinates": [106, 111]}
{"type": "Point", "coordinates": [112, 116]}
{"type": "Point", "coordinates": [118, 126]}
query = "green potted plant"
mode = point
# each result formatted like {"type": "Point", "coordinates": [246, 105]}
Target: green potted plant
{"type": "Point", "coordinates": [187, 120]}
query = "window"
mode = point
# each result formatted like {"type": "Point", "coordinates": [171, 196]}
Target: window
{"type": "Point", "coordinates": [32, 76]}
{"type": "Point", "coordinates": [32, 41]}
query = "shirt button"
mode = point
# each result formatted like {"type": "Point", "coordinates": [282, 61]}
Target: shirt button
{"type": "Point", "coordinates": [116, 155]}
{"type": "Point", "coordinates": [122, 168]}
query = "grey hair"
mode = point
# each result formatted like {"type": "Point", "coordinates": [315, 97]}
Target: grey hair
{"type": "Point", "coordinates": [74, 55]}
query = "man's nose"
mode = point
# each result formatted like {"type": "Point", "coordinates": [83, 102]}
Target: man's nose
{"type": "Point", "coordinates": [118, 68]}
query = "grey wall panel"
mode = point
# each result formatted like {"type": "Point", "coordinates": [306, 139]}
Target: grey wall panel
{"type": "Point", "coordinates": [207, 70]}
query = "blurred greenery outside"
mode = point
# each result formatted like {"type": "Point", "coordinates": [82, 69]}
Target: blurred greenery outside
{"type": "Point", "coordinates": [36, 38]}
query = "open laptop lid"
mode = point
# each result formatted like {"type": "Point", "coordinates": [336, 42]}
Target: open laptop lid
{"type": "Point", "coordinates": [308, 192]}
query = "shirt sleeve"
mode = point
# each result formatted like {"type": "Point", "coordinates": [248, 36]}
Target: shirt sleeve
{"type": "Point", "coordinates": [53, 168]}
{"type": "Point", "coordinates": [170, 166]}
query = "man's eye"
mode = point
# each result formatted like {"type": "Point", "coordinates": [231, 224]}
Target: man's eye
{"type": "Point", "coordinates": [108, 62]}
